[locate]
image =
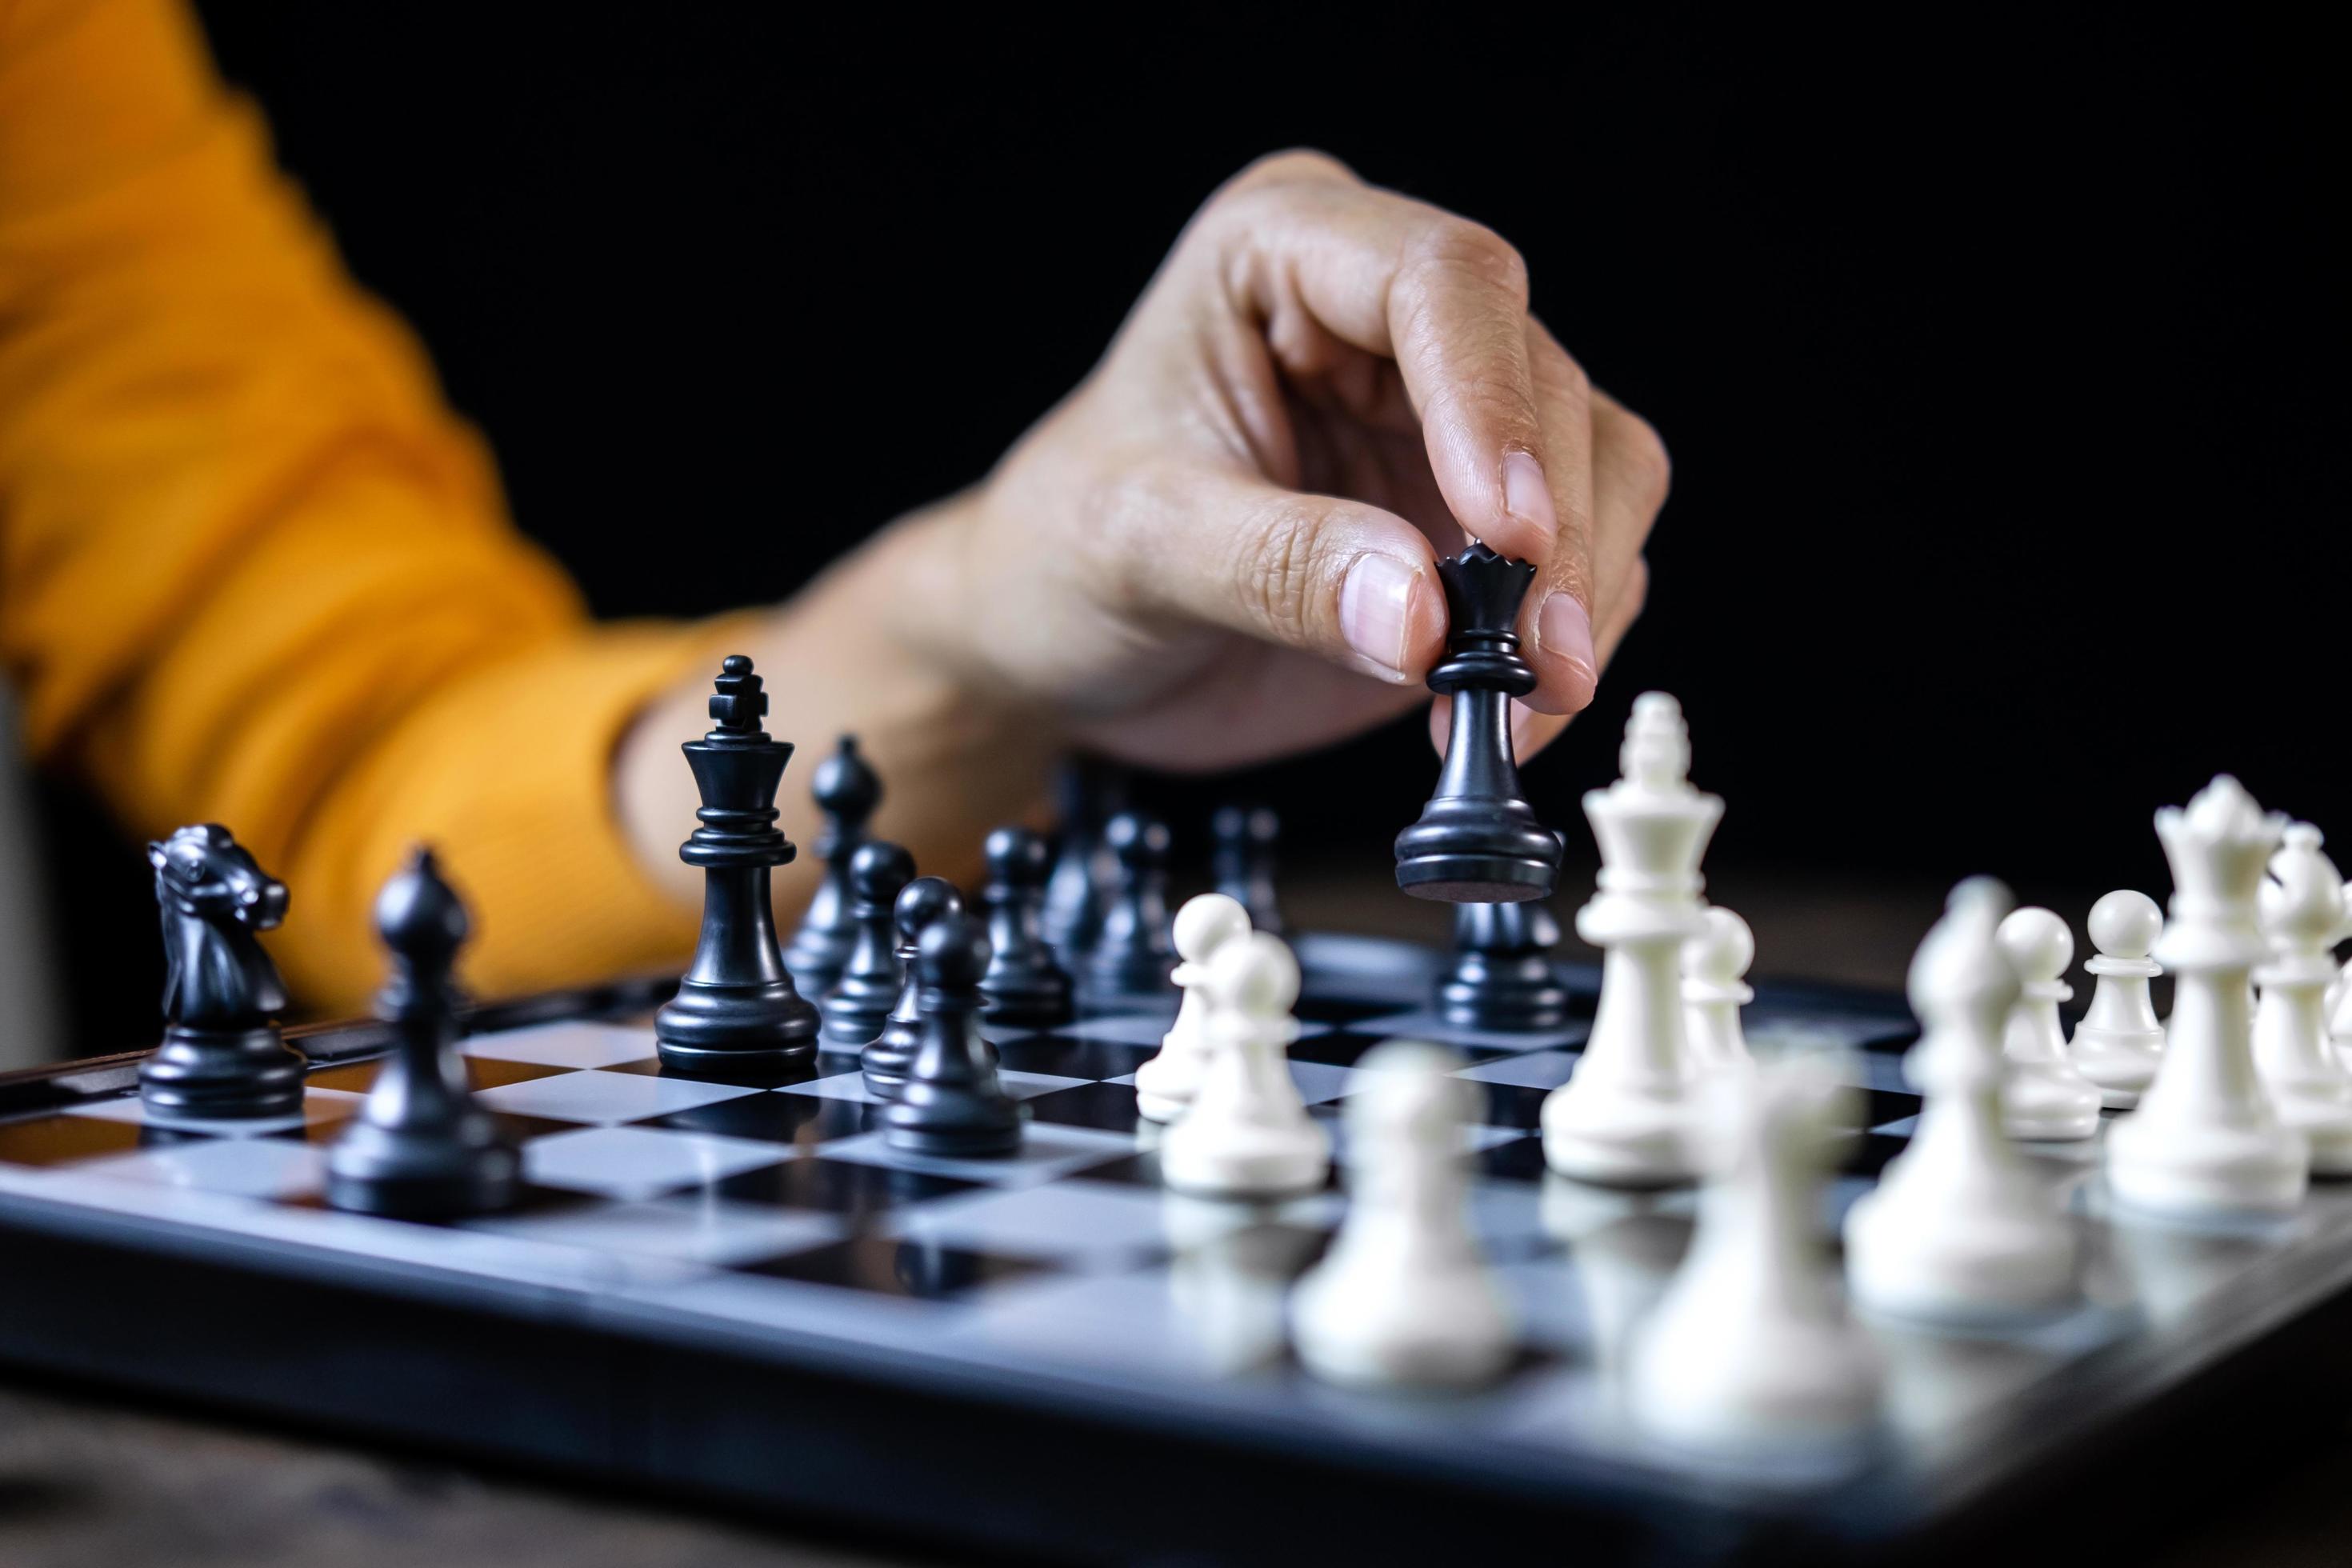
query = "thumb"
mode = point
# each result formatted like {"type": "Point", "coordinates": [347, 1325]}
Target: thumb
{"type": "Point", "coordinates": [1352, 583]}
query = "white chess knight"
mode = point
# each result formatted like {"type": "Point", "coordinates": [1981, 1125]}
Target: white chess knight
{"type": "Point", "coordinates": [1165, 1085]}
{"type": "Point", "coordinates": [2205, 1139]}
{"type": "Point", "coordinates": [2119, 1043]}
{"type": "Point", "coordinates": [1248, 1134]}
{"type": "Point", "coordinates": [1623, 1119]}
{"type": "Point", "coordinates": [1404, 1298]}
{"type": "Point", "coordinates": [1960, 1226]}
{"type": "Point", "coordinates": [2042, 1096]}
{"type": "Point", "coordinates": [1752, 1343]}
{"type": "Point", "coordinates": [1715, 987]}
{"type": "Point", "coordinates": [2301, 910]}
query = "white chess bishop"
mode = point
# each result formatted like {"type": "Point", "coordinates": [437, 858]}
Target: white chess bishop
{"type": "Point", "coordinates": [1248, 1134]}
{"type": "Point", "coordinates": [1960, 1226]}
{"type": "Point", "coordinates": [2043, 1096]}
{"type": "Point", "coordinates": [1623, 1117]}
{"type": "Point", "coordinates": [1752, 1343]}
{"type": "Point", "coordinates": [2119, 1042]}
{"type": "Point", "coordinates": [1404, 1298]}
{"type": "Point", "coordinates": [1165, 1085]}
{"type": "Point", "coordinates": [2301, 911]}
{"type": "Point", "coordinates": [2205, 1139]}
{"type": "Point", "coordinates": [1715, 987]}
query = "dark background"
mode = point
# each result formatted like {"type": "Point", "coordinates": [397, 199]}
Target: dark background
{"type": "Point", "coordinates": [2002, 360]}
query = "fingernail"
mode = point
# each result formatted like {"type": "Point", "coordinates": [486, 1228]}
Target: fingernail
{"type": "Point", "coordinates": [1526, 496]}
{"type": "Point", "coordinates": [1564, 631]}
{"type": "Point", "coordinates": [1375, 603]}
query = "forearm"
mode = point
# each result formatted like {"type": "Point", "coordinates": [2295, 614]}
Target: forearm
{"type": "Point", "coordinates": [855, 653]}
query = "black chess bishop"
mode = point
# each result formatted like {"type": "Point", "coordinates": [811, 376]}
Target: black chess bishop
{"type": "Point", "coordinates": [1135, 953]}
{"type": "Point", "coordinates": [847, 789]}
{"type": "Point", "coordinates": [953, 1105]}
{"type": "Point", "coordinates": [922, 904]}
{"type": "Point", "coordinates": [874, 975]}
{"type": "Point", "coordinates": [1026, 985]}
{"type": "Point", "coordinates": [223, 1058]}
{"type": "Point", "coordinates": [1477, 842]}
{"type": "Point", "coordinates": [736, 1010]}
{"type": "Point", "coordinates": [421, 1148]}
{"type": "Point", "coordinates": [1244, 838]}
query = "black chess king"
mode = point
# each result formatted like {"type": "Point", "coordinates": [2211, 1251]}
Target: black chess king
{"type": "Point", "coordinates": [737, 1009]}
{"type": "Point", "coordinates": [1477, 842]}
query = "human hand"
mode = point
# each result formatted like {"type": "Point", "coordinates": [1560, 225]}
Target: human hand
{"type": "Point", "coordinates": [1222, 546]}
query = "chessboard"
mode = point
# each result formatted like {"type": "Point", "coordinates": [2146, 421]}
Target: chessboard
{"type": "Point", "coordinates": [742, 1292]}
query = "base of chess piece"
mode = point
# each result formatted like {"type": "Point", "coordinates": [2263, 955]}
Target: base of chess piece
{"type": "Point", "coordinates": [221, 1075]}
{"type": "Point", "coordinates": [769, 1030]}
{"type": "Point", "coordinates": [473, 1169]}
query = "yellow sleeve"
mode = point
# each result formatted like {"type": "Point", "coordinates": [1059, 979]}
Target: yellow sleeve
{"type": "Point", "coordinates": [252, 570]}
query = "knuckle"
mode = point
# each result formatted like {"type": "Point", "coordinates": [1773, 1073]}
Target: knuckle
{"type": "Point", "coordinates": [1290, 166]}
{"type": "Point", "coordinates": [1458, 246]}
{"type": "Point", "coordinates": [1277, 569]}
{"type": "Point", "coordinates": [1648, 467]}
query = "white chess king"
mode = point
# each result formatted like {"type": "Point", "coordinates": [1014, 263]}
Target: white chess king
{"type": "Point", "coordinates": [2205, 1139]}
{"type": "Point", "coordinates": [1623, 1119]}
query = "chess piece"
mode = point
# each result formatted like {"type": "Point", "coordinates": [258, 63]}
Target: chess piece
{"type": "Point", "coordinates": [2301, 908]}
{"type": "Point", "coordinates": [1166, 1085]}
{"type": "Point", "coordinates": [1477, 842]}
{"type": "Point", "coordinates": [1960, 1226]}
{"type": "Point", "coordinates": [222, 1058]}
{"type": "Point", "coordinates": [1132, 955]}
{"type": "Point", "coordinates": [2205, 1139]}
{"type": "Point", "coordinates": [1752, 1344]}
{"type": "Point", "coordinates": [421, 1148]}
{"type": "Point", "coordinates": [1026, 986]}
{"type": "Point", "coordinates": [2339, 1015]}
{"type": "Point", "coordinates": [2119, 1043]}
{"type": "Point", "coordinates": [953, 1105]}
{"type": "Point", "coordinates": [1244, 839]}
{"type": "Point", "coordinates": [1088, 792]}
{"type": "Point", "coordinates": [891, 1055]}
{"type": "Point", "coordinates": [2042, 1096]}
{"type": "Point", "coordinates": [1621, 1120]}
{"type": "Point", "coordinates": [1501, 977]}
{"type": "Point", "coordinates": [736, 1010]}
{"type": "Point", "coordinates": [1405, 1296]}
{"type": "Point", "coordinates": [846, 790]}
{"type": "Point", "coordinates": [1248, 1134]}
{"type": "Point", "coordinates": [1715, 987]}
{"type": "Point", "coordinates": [873, 975]}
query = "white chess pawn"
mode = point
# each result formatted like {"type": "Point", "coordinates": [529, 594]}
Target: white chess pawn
{"type": "Point", "coordinates": [1405, 1296]}
{"type": "Point", "coordinates": [2301, 908]}
{"type": "Point", "coordinates": [1165, 1085]}
{"type": "Point", "coordinates": [1960, 1226]}
{"type": "Point", "coordinates": [1623, 1117]}
{"type": "Point", "coordinates": [2041, 1095]}
{"type": "Point", "coordinates": [1715, 987]}
{"type": "Point", "coordinates": [1248, 1134]}
{"type": "Point", "coordinates": [2205, 1139]}
{"type": "Point", "coordinates": [1752, 1343]}
{"type": "Point", "coordinates": [2119, 1043]}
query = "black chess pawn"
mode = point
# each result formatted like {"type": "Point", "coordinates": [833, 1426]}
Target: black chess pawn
{"type": "Point", "coordinates": [1025, 987]}
{"type": "Point", "coordinates": [1503, 978]}
{"type": "Point", "coordinates": [873, 976]}
{"type": "Point", "coordinates": [223, 1058]}
{"type": "Point", "coordinates": [1477, 842]}
{"type": "Point", "coordinates": [1135, 953]}
{"type": "Point", "coordinates": [1087, 794]}
{"type": "Point", "coordinates": [923, 903]}
{"type": "Point", "coordinates": [736, 1010]}
{"type": "Point", "coordinates": [953, 1106]}
{"type": "Point", "coordinates": [421, 1148]}
{"type": "Point", "coordinates": [1244, 839]}
{"type": "Point", "coordinates": [847, 789]}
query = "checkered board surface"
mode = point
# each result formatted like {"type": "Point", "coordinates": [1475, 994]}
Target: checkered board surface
{"type": "Point", "coordinates": [660, 1205]}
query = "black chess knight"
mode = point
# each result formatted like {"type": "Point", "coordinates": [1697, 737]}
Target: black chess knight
{"type": "Point", "coordinates": [222, 1055]}
{"type": "Point", "coordinates": [846, 790]}
{"type": "Point", "coordinates": [421, 1148]}
{"type": "Point", "coordinates": [1477, 842]}
{"type": "Point", "coordinates": [736, 1010]}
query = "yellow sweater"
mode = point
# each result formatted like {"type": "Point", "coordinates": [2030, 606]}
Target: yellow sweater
{"type": "Point", "coordinates": [252, 569]}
